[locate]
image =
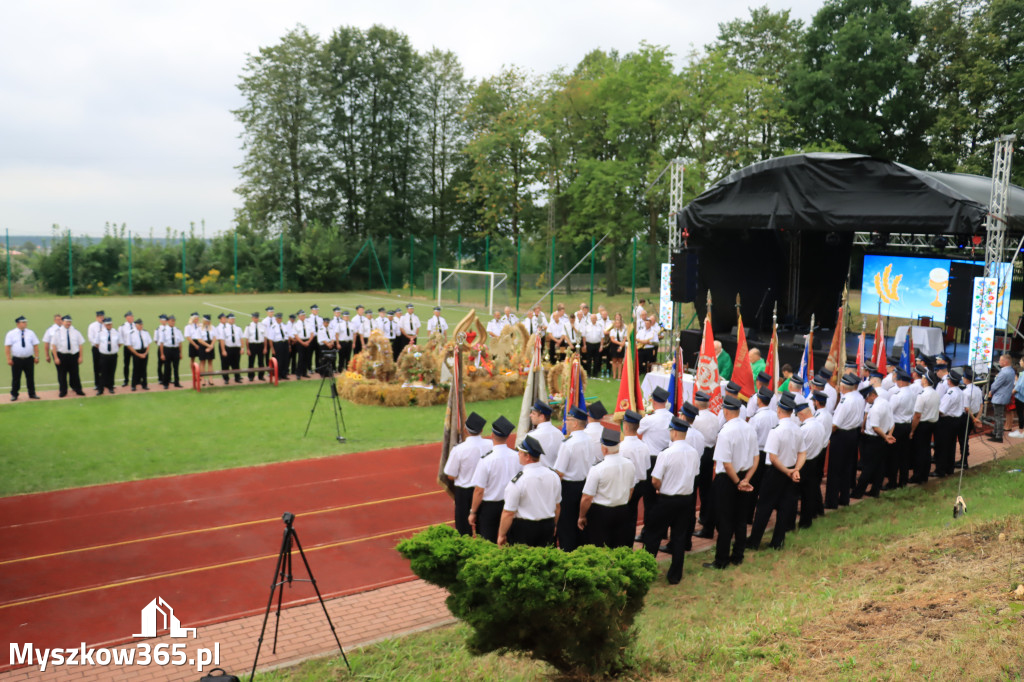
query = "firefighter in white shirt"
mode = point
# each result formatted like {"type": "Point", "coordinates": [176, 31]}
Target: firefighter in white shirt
{"type": "Point", "coordinates": [257, 346]}
{"type": "Point", "coordinates": [21, 345]}
{"type": "Point", "coordinates": [763, 421]}
{"type": "Point", "coordinates": [231, 347]}
{"type": "Point", "coordinates": [531, 323]}
{"type": "Point", "coordinates": [158, 335]}
{"type": "Point", "coordinates": [91, 335]}
{"type": "Point", "coordinates": [437, 324]}
{"type": "Point", "coordinates": [972, 416]}
{"type": "Point", "coordinates": [593, 334]}
{"type": "Point", "coordinates": [280, 348]}
{"type": "Point", "coordinates": [604, 514]}
{"type": "Point", "coordinates": [736, 461]}
{"type": "Point", "coordinates": [707, 423]}
{"type": "Point", "coordinates": [674, 478]}
{"type": "Point", "coordinates": [191, 332]}
{"type": "Point", "coordinates": [493, 473]}
{"type": "Point", "coordinates": [509, 318]}
{"type": "Point", "coordinates": [594, 428]}
{"type": "Point", "coordinates": [379, 321]}
{"type": "Point", "coordinates": [813, 439]}
{"type": "Point", "coordinates": [558, 337]}
{"type": "Point", "coordinates": [139, 342]}
{"type": "Point", "coordinates": [875, 442]}
{"type": "Point", "coordinates": [408, 329]}
{"type": "Point", "coordinates": [922, 426]}
{"type": "Point", "coordinates": [66, 350]}
{"type": "Point", "coordinates": [58, 323]}
{"type": "Point", "coordinates": [304, 339]}
{"type": "Point", "coordinates": [951, 411]}
{"type": "Point", "coordinates": [549, 437]}
{"type": "Point", "coordinates": [901, 400]}
{"type": "Point", "coordinates": [575, 457]}
{"type": "Point", "coordinates": [636, 451]}
{"type": "Point", "coordinates": [325, 341]}
{"type": "Point", "coordinates": [361, 323]}
{"type": "Point", "coordinates": [460, 467]}
{"type": "Point", "coordinates": [495, 325]}
{"type": "Point", "coordinates": [532, 501]}
{"type": "Point", "coordinates": [218, 332]}
{"type": "Point", "coordinates": [169, 348]}
{"type": "Point", "coordinates": [108, 341]}
{"type": "Point", "coordinates": [126, 331]}
{"type": "Point", "coordinates": [785, 459]}
{"type": "Point", "coordinates": [346, 332]}
{"type": "Point", "coordinates": [318, 324]}
{"type": "Point", "coordinates": [647, 344]}
{"type": "Point", "coordinates": [842, 454]}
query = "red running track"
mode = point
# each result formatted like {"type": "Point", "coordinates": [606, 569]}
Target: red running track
{"type": "Point", "coordinates": [78, 565]}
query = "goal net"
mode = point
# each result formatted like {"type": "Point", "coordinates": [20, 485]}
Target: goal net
{"type": "Point", "coordinates": [486, 291]}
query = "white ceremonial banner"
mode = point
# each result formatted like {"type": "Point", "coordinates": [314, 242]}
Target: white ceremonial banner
{"type": "Point", "coordinates": [983, 321]}
{"type": "Point", "coordinates": [665, 299]}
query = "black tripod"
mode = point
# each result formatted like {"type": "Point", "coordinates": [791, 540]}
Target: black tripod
{"type": "Point", "coordinates": [326, 372]}
{"type": "Point", "coordinates": [282, 575]}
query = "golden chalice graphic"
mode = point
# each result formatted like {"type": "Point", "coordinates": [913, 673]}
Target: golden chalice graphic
{"type": "Point", "coordinates": [938, 279]}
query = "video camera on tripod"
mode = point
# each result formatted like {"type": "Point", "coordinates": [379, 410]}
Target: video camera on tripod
{"type": "Point", "coordinates": [328, 361]}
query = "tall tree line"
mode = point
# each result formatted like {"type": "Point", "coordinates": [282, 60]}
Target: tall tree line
{"type": "Point", "coordinates": [359, 135]}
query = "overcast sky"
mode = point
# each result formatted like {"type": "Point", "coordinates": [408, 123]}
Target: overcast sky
{"type": "Point", "coordinates": [120, 111]}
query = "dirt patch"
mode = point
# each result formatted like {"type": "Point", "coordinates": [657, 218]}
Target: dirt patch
{"type": "Point", "coordinates": [929, 606]}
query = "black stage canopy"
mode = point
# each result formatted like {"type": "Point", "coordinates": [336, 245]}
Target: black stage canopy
{"type": "Point", "coordinates": [782, 229]}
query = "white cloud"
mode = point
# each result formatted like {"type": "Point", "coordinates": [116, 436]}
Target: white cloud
{"type": "Point", "coordinates": [116, 110]}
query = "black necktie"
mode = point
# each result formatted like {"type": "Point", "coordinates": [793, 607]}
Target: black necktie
{"type": "Point", "coordinates": [232, 334]}
{"type": "Point", "coordinates": [257, 333]}
{"type": "Point", "coordinates": [140, 340]}
{"type": "Point", "coordinates": [67, 333]}
{"type": "Point", "coordinates": [108, 340]}
{"type": "Point", "coordinates": [22, 338]}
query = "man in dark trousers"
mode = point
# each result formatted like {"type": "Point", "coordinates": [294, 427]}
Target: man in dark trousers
{"type": "Point", "coordinates": [575, 457]}
{"type": "Point", "coordinates": [170, 353]}
{"type": "Point", "coordinates": [108, 341]}
{"type": "Point", "coordinates": [735, 459]}
{"type": "Point", "coordinates": [139, 342]}
{"type": "Point", "coordinates": [126, 330]}
{"type": "Point", "coordinates": [532, 501]}
{"type": "Point", "coordinates": [778, 487]}
{"type": "Point", "coordinates": [846, 425]}
{"type": "Point", "coordinates": [674, 477]}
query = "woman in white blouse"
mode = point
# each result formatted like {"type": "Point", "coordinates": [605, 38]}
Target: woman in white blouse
{"type": "Point", "coordinates": [617, 336]}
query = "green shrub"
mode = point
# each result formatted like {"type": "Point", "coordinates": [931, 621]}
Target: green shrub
{"type": "Point", "coordinates": [573, 610]}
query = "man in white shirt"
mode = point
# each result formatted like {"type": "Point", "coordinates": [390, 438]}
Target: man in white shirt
{"type": "Point", "coordinates": [595, 413]}
{"type": "Point", "coordinates": [361, 324]}
{"type": "Point", "coordinates": [972, 416]}
{"type": "Point", "coordinates": [280, 348]}
{"type": "Point", "coordinates": [495, 326]}
{"type": "Point", "coordinates": [218, 335]}
{"type": "Point", "coordinates": [707, 423]}
{"type": "Point", "coordinates": [604, 516]}
{"type": "Point", "coordinates": [922, 427]}
{"type": "Point", "coordinates": [66, 349]}
{"type": "Point", "coordinates": [509, 318]}
{"type": "Point", "coordinates": [951, 411]}
{"type": "Point", "coordinates": [735, 458]}
{"type": "Point", "coordinates": [593, 344]}
{"type": "Point", "coordinates": [557, 336]}
{"type": "Point", "coordinates": [875, 442]}
{"type": "Point", "coordinates": [91, 334]}
{"type": "Point", "coordinates": [673, 477]}
{"type": "Point", "coordinates": [21, 345]}
{"type": "Point", "coordinates": [763, 421]}
{"type": "Point", "coordinates": [303, 330]}
{"type": "Point", "coordinates": [256, 345]}
{"type": "Point", "coordinates": [231, 347]}
{"type": "Point", "coordinates": [816, 471]}
{"type": "Point", "coordinates": [901, 400]}
{"type": "Point", "coordinates": [460, 467]}
{"type": "Point", "coordinates": [532, 501]}
{"type": "Point", "coordinates": [547, 435]}
{"type": "Point", "coordinates": [58, 323]}
{"type": "Point", "coordinates": [654, 433]}
{"type": "Point", "coordinates": [437, 324]}
{"type": "Point", "coordinates": [169, 349]}
{"type": "Point", "coordinates": [577, 454]}
{"type": "Point", "coordinates": [378, 322]}
{"type": "Point", "coordinates": [647, 344]}
{"type": "Point", "coordinates": [531, 323]}
{"type": "Point", "coordinates": [812, 441]}
{"type": "Point", "coordinates": [785, 459]}
{"type": "Point", "coordinates": [108, 342]}
{"type": "Point", "coordinates": [126, 330]}
{"type": "Point", "coordinates": [345, 332]}
{"type": "Point", "coordinates": [842, 454]}
{"type": "Point", "coordinates": [139, 342]}
{"type": "Point", "coordinates": [158, 336]}
{"type": "Point", "coordinates": [493, 473]}
{"type": "Point", "coordinates": [318, 324]}
{"type": "Point", "coordinates": [636, 451]}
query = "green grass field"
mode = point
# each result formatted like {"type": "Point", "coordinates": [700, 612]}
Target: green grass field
{"type": "Point", "coordinates": [887, 589]}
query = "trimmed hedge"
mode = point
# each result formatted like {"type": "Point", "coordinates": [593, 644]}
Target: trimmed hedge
{"type": "Point", "coordinates": [573, 610]}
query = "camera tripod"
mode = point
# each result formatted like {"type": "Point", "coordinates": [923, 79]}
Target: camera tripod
{"type": "Point", "coordinates": [282, 575]}
{"type": "Point", "coordinates": [339, 416]}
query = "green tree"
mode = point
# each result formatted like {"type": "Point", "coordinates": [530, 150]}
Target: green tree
{"type": "Point", "coordinates": [445, 93]}
{"type": "Point", "coordinates": [859, 83]}
{"type": "Point", "coordinates": [283, 182]}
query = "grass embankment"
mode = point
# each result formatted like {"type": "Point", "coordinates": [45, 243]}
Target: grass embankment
{"type": "Point", "coordinates": [51, 444]}
{"type": "Point", "coordinates": [887, 589]}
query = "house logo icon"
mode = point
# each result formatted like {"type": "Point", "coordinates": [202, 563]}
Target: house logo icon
{"type": "Point", "coordinates": [152, 623]}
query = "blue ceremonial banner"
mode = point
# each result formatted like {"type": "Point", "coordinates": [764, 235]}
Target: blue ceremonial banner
{"type": "Point", "coordinates": [905, 355]}
{"type": "Point", "coordinates": [803, 370]}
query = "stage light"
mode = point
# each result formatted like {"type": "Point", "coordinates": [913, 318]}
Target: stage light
{"type": "Point", "coordinates": [879, 239]}
{"type": "Point", "coordinates": [961, 240]}
{"type": "Point", "coordinates": [832, 239]}
{"type": "Point", "coordinates": [939, 242]}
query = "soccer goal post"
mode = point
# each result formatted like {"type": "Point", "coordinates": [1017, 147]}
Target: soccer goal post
{"type": "Point", "coordinates": [472, 288]}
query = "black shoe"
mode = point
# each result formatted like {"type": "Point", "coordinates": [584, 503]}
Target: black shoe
{"type": "Point", "coordinates": [706, 535]}
{"type": "Point", "coordinates": [62, 395]}
{"type": "Point", "coordinates": [715, 565]}
{"type": "Point", "coordinates": [166, 386]}
{"type": "Point", "coordinates": [133, 388]}
{"type": "Point", "coordinates": [855, 496]}
{"type": "Point", "coordinates": [111, 391]}
{"type": "Point", "coordinates": [145, 387]}
{"type": "Point", "coordinates": [99, 392]}
{"type": "Point", "coordinates": [831, 506]}
{"type": "Point", "coordinates": [14, 398]}
{"type": "Point", "coordinates": [177, 385]}
{"type": "Point", "coordinates": [936, 474]}
{"type": "Point", "coordinates": [124, 384]}
{"type": "Point", "coordinates": [82, 393]}
{"type": "Point", "coordinates": [736, 562]}
{"type": "Point", "coordinates": [638, 538]}
{"type": "Point", "coordinates": [778, 547]}
{"type": "Point", "coordinates": [665, 549]}
{"type": "Point", "coordinates": [995, 440]}
{"type": "Point", "coordinates": [33, 396]}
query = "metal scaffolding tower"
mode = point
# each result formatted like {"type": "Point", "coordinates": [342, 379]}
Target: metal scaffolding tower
{"type": "Point", "coordinates": [675, 206]}
{"type": "Point", "coordinates": [995, 223]}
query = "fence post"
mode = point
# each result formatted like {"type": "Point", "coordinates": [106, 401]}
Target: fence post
{"type": "Point", "coordinates": [129, 262]}
{"type": "Point", "coordinates": [236, 260]}
{"type": "Point", "coordinates": [412, 272]}
{"type": "Point", "coordinates": [551, 299]}
{"type": "Point", "coordinates": [632, 304]}
{"type": "Point", "coordinates": [8, 238]}
{"type": "Point", "coordinates": [433, 270]}
{"type": "Point", "coordinates": [458, 290]}
{"type": "Point", "coordinates": [184, 285]}
{"type": "Point", "coordinates": [592, 259]}
{"type": "Point", "coordinates": [280, 258]}
{"type": "Point", "coordinates": [71, 278]}
{"type": "Point", "coordinates": [389, 263]}
{"type": "Point", "coordinates": [519, 269]}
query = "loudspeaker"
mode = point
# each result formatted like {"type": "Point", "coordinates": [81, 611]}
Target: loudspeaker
{"type": "Point", "coordinates": [684, 275]}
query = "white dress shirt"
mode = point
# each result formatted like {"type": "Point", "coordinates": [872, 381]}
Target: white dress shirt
{"type": "Point", "coordinates": [344, 330]}
{"type": "Point", "coordinates": [550, 440]}
{"type": "Point", "coordinates": [576, 456]}
{"type": "Point", "coordinates": [92, 332]}
{"type": "Point", "coordinates": [495, 327]}
{"type": "Point", "coordinates": [951, 404]}
{"type": "Point", "coordinates": [653, 430]}
{"type": "Point", "coordinates": [736, 445]}
{"type": "Point", "coordinates": [695, 439]}
{"type": "Point", "coordinates": [463, 460]}
{"type": "Point", "coordinates": [232, 335]}
{"type": "Point", "coordinates": [437, 323]}
{"type": "Point", "coordinates": [67, 340]}
{"type": "Point", "coordinates": [409, 324]}
{"type": "Point", "coordinates": [22, 342]}
{"type": "Point", "coordinates": [707, 423]}
{"type": "Point", "coordinates": [611, 481]}
{"type": "Point", "coordinates": [927, 404]}
{"type": "Point", "coordinates": [255, 333]}
{"type": "Point", "coordinates": [677, 468]}
{"type": "Point", "coordinates": [849, 412]}
{"type": "Point", "coordinates": [495, 470]}
{"type": "Point", "coordinates": [763, 421]}
{"type": "Point", "coordinates": [534, 494]}
{"type": "Point", "coordinates": [901, 401]}
{"type": "Point", "coordinates": [108, 341]}
{"type": "Point", "coordinates": [140, 340]}
{"type": "Point", "coordinates": [879, 415]}
{"type": "Point", "coordinates": [972, 398]}
{"type": "Point", "coordinates": [634, 449]}
{"type": "Point", "coordinates": [812, 438]}
{"type": "Point", "coordinates": [172, 337]}
{"type": "Point", "coordinates": [784, 442]}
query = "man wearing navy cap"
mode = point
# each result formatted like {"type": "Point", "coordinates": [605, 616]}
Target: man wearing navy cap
{"type": "Point", "coordinates": [218, 342]}
{"type": "Point", "coordinates": [735, 459]}
{"type": "Point", "coordinates": [345, 332]}
{"type": "Point", "coordinates": [495, 470]}
{"type": "Point", "coordinates": [544, 431]}
{"type": "Point", "coordinates": [830, 390]}
{"type": "Point", "coordinates": [127, 330]}
{"type": "Point", "coordinates": [66, 349]}
{"type": "Point", "coordinates": [437, 324]}
{"type": "Point", "coordinates": [922, 426]}
{"type": "Point", "coordinates": [58, 324]}
{"type": "Point", "coordinates": [604, 516]}
{"type": "Point", "coordinates": [92, 334]}
{"type": "Point", "coordinates": [763, 381]}
{"type": "Point", "coordinates": [708, 424]}
{"type": "Point", "coordinates": [21, 346]}
{"type": "Point", "coordinates": [139, 341]}
{"type": "Point", "coordinates": [577, 454]}
{"type": "Point", "coordinates": [277, 335]}
{"type": "Point", "coordinates": [812, 441]}
{"type": "Point", "coordinates": [764, 420]}
{"type": "Point", "coordinates": [109, 342]}
{"type": "Point", "coordinates": [673, 478]}
{"type": "Point", "coordinates": [304, 344]}
{"type": "Point", "coordinates": [158, 339]}
{"type": "Point", "coordinates": [785, 459]}
{"type": "Point", "coordinates": [170, 352]}
{"type": "Point", "coordinates": [408, 328]}
{"type": "Point", "coordinates": [532, 501]}
{"type": "Point", "coordinates": [637, 452]}
{"type": "Point", "coordinates": [254, 340]}
{"type": "Point", "coordinates": [846, 424]}
{"type": "Point", "coordinates": [951, 411]}
{"type": "Point", "coordinates": [231, 347]}
{"type": "Point", "coordinates": [901, 400]}
{"type": "Point", "coordinates": [460, 467]}
{"type": "Point", "coordinates": [816, 471]}
{"type": "Point", "coordinates": [875, 442]}
{"type": "Point", "coordinates": [594, 429]}
{"type": "Point", "coordinates": [653, 431]}
{"type": "Point", "coordinates": [972, 416]}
